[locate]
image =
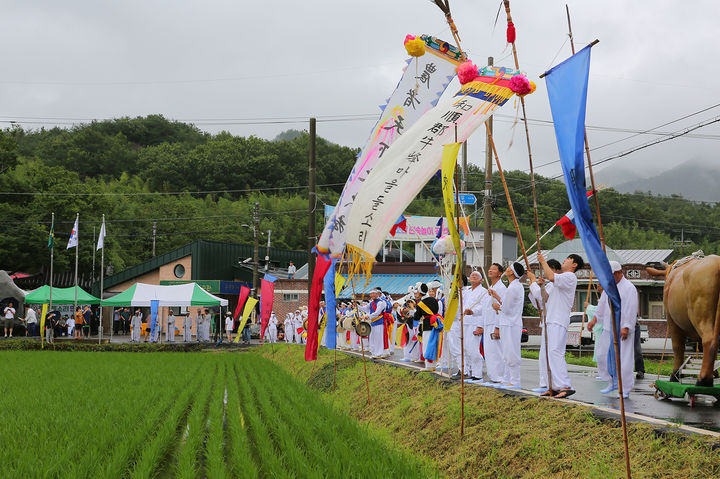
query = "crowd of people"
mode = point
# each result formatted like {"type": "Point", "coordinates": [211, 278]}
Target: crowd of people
{"type": "Point", "coordinates": [491, 327]}
{"type": "Point", "coordinates": [57, 324]}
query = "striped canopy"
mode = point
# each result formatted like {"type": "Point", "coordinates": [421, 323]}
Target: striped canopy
{"type": "Point", "coordinates": [141, 294]}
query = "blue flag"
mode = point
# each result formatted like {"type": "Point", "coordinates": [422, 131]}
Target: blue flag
{"type": "Point", "coordinates": [154, 305]}
{"type": "Point", "coordinates": [330, 307]}
{"type": "Point", "coordinates": [567, 85]}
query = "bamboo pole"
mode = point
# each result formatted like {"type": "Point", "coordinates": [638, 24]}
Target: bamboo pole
{"type": "Point", "coordinates": [458, 266]}
{"type": "Point", "coordinates": [541, 310]}
{"type": "Point", "coordinates": [616, 344]}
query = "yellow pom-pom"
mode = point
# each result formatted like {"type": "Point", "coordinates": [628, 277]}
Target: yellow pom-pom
{"type": "Point", "coordinates": [416, 47]}
{"type": "Point", "coordinates": [533, 86]}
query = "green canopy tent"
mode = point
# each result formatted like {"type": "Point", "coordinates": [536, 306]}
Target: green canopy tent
{"type": "Point", "coordinates": [141, 294]}
{"type": "Point", "coordinates": [60, 296]}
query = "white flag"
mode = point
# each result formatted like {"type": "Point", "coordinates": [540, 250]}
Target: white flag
{"type": "Point", "coordinates": [73, 241]}
{"type": "Point", "coordinates": [101, 238]}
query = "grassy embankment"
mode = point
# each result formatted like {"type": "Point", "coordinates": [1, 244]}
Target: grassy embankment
{"type": "Point", "coordinates": [505, 436]}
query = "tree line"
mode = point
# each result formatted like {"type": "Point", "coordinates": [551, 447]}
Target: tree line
{"type": "Point", "coordinates": [192, 185]}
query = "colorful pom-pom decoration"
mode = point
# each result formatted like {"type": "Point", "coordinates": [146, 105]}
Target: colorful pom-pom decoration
{"type": "Point", "coordinates": [520, 85]}
{"type": "Point", "coordinates": [467, 72]}
{"type": "Point", "coordinates": [415, 46]}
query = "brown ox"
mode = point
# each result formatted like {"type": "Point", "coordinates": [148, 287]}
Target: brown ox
{"type": "Point", "coordinates": [692, 306]}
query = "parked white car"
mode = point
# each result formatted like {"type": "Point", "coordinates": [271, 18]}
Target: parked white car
{"type": "Point", "coordinates": [574, 333]}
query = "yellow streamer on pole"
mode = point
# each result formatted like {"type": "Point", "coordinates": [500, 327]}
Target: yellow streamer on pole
{"type": "Point", "coordinates": [249, 306]}
{"type": "Point", "coordinates": [449, 161]}
{"type": "Point", "coordinates": [43, 313]}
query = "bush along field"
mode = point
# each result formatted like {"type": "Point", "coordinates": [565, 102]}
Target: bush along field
{"type": "Point", "coordinates": [505, 435]}
{"type": "Point", "coordinates": [111, 414]}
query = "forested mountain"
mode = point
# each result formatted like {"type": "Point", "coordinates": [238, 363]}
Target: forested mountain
{"type": "Point", "coordinates": [196, 185]}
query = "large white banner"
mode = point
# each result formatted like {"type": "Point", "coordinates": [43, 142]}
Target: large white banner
{"type": "Point", "coordinates": [416, 156]}
{"type": "Point", "coordinates": [419, 89]}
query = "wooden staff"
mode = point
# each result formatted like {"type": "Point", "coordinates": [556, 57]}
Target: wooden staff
{"type": "Point", "coordinates": [445, 7]}
{"type": "Point", "coordinates": [541, 310]}
{"type": "Point", "coordinates": [458, 266]}
{"type": "Point", "coordinates": [522, 246]}
{"type": "Point", "coordinates": [616, 344]}
{"type": "Point", "coordinates": [362, 346]}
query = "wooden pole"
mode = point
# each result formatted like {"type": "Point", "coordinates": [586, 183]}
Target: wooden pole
{"type": "Point", "coordinates": [367, 385]}
{"type": "Point", "coordinates": [458, 264]}
{"type": "Point", "coordinates": [335, 362]}
{"type": "Point", "coordinates": [616, 344]}
{"type": "Point", "coordinates": [312, 203]}
{"type": "Point", "coordinates": [487, 202]}
{"type": "Point", "coordinates": [541, 310]}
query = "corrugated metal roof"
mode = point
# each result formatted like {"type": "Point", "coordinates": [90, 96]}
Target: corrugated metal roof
{"type": "Point", "coordinates": [391, 283]}
{"type": "Point", "coordinates": [624, 256]}
{"type": "Point", "coordinates": [643, 256]}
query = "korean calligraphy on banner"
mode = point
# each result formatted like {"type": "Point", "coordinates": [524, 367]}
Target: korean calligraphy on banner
{"type": "Point", "coordinates": [416, 156]}
{"type": "Point", "coordinates": [415, 94]}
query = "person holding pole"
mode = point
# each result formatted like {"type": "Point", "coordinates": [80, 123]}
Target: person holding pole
{"type": "Point", "coordinates": [510, 324]}
{"type": "Point", "coordinates": [538, 293]}
{"type": "Point", "coordinates": [559, 305]}
{"type": "Point", "coordinates": [187, 327]}
{"type": "Point", "coordinates": [493, 352]}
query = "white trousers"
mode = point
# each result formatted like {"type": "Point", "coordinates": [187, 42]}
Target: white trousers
{"type": "Point", "coordinates": [377, 347]}
{"type": "Point", "coordinates": [510, 345]}
{"type": "Point", "coordinates": [170, 331]}
{"type": "Point", "coordinates": [355, 341]}
{"type": "Point", "coordinates": [391, 338]}
{"type": "Point", "coordinates": [136, 327]}
{"type": "Point", "coordinates": [493, 358]}
{"type": "Point", "coordinates": [601, 352]}
{"type": "Point", "coordinates": [187, 331]}
{"type": "Point", "coordinates": [543, 360]}
{"type": "Point", "coordinates": [557, 341]}
{"type": "Point", "coordinates": [627, 361]}
{"type": "Point", "coordinates": [273, 333]}
{"type": "Point", "coordinates": [474, 361]}
{"type": "Point", "coordinates": [454, 346]}
{"type": "Point", "coordinates": [289, 334]}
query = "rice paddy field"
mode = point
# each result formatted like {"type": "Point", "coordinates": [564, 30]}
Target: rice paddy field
{"type": "Point", "coordinates": [265, 412]}
{"type": "Point", "coordinates": [216, 415]}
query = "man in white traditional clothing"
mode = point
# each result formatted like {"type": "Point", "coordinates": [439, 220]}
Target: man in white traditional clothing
{"type": "Point", "coordinates": [375, 310]}
{"type": "Point", "coordinates": [298, 326]}
{"type": "Point", "coordinates": [559, 305]}
{"type": "Point", "coordinates": [629, 303]}
{"type": "Point", "coordinates": [475, 297]}
{"type": "Point", "coordinates": [187, 327]}
{"type": "Point", "coordinates": [510, 324]}
{"type": "Point", "coordinates": [170, 327]}
{"type": "Point", "coordinates": [491, 317]}
{"type": "Point", "coordinates": [288, 326]}
{"type": "Point", "coordinates": [539, 290]}
{"type": "Point", "coordinates": [272, 327]}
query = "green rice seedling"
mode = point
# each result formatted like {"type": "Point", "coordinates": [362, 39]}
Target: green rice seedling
{"type": "Point", "coordinates": [239, 454]}
{"type": "Point", "coordinates": [266, 456]}
{"type": "Point", "coordinates": [215, 444]}
{"type": "Point", "coordinates": [147, 465]}
{"type": "Point", "coordinates": [186, 465]}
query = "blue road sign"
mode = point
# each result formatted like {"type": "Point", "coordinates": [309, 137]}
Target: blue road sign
{"type": "Point", "coordinates": [467, 199]}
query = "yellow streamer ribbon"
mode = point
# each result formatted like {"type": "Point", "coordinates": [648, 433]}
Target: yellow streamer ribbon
{"type": "Point", "coordinates": [249, 306]}
{"type": "Point", "coordinates": [43, 313]}
{"type": "Point", "coordinates": [449, 161]}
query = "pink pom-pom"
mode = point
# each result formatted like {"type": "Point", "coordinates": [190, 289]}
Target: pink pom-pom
{"type": "Point", "coordinates": [520, 85]}
{"type": "Point", "coordinates": [408, 38]}
{"type": "Point", "coordinates": [467, 72]}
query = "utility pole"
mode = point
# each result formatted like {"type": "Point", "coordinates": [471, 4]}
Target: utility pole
{"type": "Point", "coordinates": [256, 246]}
{"type": "Point", "coordinates": [463, 178]}
{"type": "Point", "coordinates": [267, 253]}
{"type": "Point", "coordinates": [154, 235]}
{"type": "Point", "coordinates": [312, 201]}
{"type": "Point", "coordinates": [487, 213]}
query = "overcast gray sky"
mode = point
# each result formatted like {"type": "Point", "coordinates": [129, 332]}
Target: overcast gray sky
{"type": "Point", "coordinates": [233, 62]}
